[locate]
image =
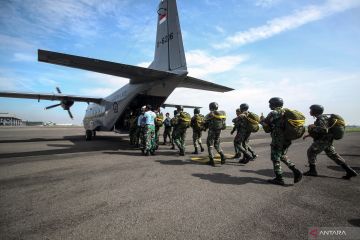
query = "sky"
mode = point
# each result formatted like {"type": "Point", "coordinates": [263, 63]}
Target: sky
{"type": "Point", "coordinates": [306, 52]}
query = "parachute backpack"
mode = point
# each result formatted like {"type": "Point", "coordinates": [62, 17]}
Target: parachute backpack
{"type": "Point", "coordinates": [219, 120]}
{"type": "Point", "coordinates": [199, 122]}
{"type": "Point", "coordinates": [184, 120]}
{"type": "Point", "coordinates": [336, 126]}
{"type": "Point", "coordinates": [294, 122]}
{"type": "Point", "coordinates": [159, 120]}
{"type": "Point", "coordinates": [253, 122]}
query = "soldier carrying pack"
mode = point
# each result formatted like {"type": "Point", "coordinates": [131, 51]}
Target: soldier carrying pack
{"type": "Point", "coordinates": [198, 123]}
{"type": "Point", "coordinates": [184, 120]}
{"type": "Point", "coordinates": [293, 124]}
{"type": "Point", "coordinates": [159, 120]}
{"type": "Point", "coordinates": [218, 120]}
{"type": "Point", "coordinates": [336, 126]}
{"type": "Point", "coordinates": [253, 121]}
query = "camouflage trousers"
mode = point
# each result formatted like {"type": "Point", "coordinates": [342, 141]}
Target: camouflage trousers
{"type": "Point", "coordinates": [278, 154]}
{"type": "Point", "coordinates": [149, 138]}
{"type": "Point", "coordinates": [323, 145]}
{"type": "Point", "coordinates": [213, 140]}
{"type": "Point", "coordinates": [241, 144]}
{"type": "Point", "coordinates": [167, 134]}
{"type": "Point", "coordinates": [132, 135]}
{"type": "Point", "coordinates": [179, 139]}
{"type": "Point", "coordinates": [197, 138]}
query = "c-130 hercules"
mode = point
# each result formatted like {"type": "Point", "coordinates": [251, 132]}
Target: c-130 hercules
{"type": "Point", "coordinates": [150, 85]}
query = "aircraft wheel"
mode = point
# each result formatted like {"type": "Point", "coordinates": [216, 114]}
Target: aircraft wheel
{"type": "Point", "coordinates": [88, 135]}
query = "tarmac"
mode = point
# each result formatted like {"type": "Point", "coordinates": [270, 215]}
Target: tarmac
{"type": "Point", "coordinates": [56, 185]}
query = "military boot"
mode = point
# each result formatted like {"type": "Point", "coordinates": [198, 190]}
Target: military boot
{"type": "Point", "coordinates": [202, 149]}
{"type": "Point", "coordinates": [349, 171]}
{"type": "Point", "coordinates": [297, 174]}
{"type": "Point", "coordinates": [246, 159]}
{"type": "Point", "coordinates": [312, 171]}
{"type": "Point", "coordinates": [211, 162]}
{"type": "Point", "coordinates": [196, 151]}
{"type": "Point", "coordinates": [278, 180]}
{"type": "Point", "coordinates": [237, 155]}
{"type": "Point", "coordinates": [223, 158]}
{"type": "Point", "coordinates": [254, 156]}
{"type": "Point", "coordinates": [182, 152]}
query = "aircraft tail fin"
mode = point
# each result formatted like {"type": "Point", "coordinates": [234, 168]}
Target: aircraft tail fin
{"type": "Point", "coordinates": [169, 49]}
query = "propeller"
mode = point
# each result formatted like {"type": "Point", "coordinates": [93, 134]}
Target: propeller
{"type": "Point", "coordinates": [65, 104]}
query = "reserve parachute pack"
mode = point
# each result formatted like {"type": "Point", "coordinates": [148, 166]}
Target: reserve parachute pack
{"type": "Point", "coordinates": [336, 126]}
{"type": "Point", "coordinates": [199, 121]}
{"type": "Point", "coordinates": [294, 122]}
{"type": "Point", "coordinates": [159, 120]}
{"type": "Point", "coordinates": [253, 122]}
{"type": "Point", "coordinates": [184, 120]}
{"type": "Point", "coordinates": [218, 120]}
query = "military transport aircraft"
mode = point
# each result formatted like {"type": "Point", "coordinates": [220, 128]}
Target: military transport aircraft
{"type": "Point", "coordinates": [150, 85]}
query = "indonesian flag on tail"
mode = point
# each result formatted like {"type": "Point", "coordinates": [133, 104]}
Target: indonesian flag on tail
{"type": "Point", "coordinates": [162, 15]}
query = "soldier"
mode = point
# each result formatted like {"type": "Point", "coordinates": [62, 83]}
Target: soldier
{"type": "Point", "coordinates": [242, 138]}
{"type": "Point", "coordinates": [133, 127]}
{"type": "Point", "coordinates": [149, 133]}
{"type": "Point", "coordinates": [323, 141]}
{"type": "Point", "coordinates": [197, 124]}
{"type": "Point", "coordinates": [173, 124]}
{"type": "Point", "coordinates": [279, 145]}
{"type": "Point", "coordinates": [215, 122]}
{"type": "Point", "coordinates": [182, 124]}
{"type": "Point", "coordinates": [167, 128]}
{"type": "Point", "coordinates": [158, 124]}
{"type": "Point", "coordinates": [235, 128]}
{"type": "Point", "coordinates": [140, 129]}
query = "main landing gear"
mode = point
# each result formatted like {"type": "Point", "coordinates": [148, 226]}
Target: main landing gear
{"type": "Point", "coordinates": [89, 135]}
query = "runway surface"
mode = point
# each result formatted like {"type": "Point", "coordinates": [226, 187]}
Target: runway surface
{"type": "Point", "coordinates": [55, 185]}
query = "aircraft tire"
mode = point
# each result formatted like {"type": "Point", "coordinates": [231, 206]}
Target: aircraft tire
{"type": "Point", "coordinates": [88, 135]}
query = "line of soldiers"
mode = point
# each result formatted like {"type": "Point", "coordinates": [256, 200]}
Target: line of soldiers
{"type": "Point", "coordinates": [146, 136]}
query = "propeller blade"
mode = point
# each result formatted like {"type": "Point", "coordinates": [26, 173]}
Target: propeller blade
{"type": "Point", "coordinates": [52, 106]}
{"type": "Point", "coordinates": [70, 114]}
{"type": "Point", "coordinates": [58, 90]}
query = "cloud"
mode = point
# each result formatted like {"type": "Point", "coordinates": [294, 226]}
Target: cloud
{"type": "Point", "coordinates": [201, 64]}
{"type": "Point", "coordinates": [22, 57]}
{"type": "Point", "coordinates": [266, 3]}
{"type": "Point", "coordinates": [276, 26]}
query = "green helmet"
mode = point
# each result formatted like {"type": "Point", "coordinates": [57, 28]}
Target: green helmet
{"type": "Point", "coordinates": [179, 108]}
{"type": "Point", "coordinates": [244, 107]}
{"type": "Point", "coordinates": [196, 111]}
{"type": "Point", "coordinates": [175, 112]}
{"type": "Point", "coordinates": [316, 109]}
{"type": "Point", "coordinates": [213, 106]}
{"type": "Point", "coordinates": [238, 110]}
{"type": "Point", "coordinates": [276, 102]}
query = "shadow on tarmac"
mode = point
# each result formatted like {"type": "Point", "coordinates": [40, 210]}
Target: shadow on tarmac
{"type": "Point", "coordinates": [267, 173]}
{"type": "Point", "coordinates": [355, 222]}
{"type": "Point", "coordinates": [77, 145]}
{"type": "Point", "coordinates": [223, 178]}
{"type": "Point", "coordinates": [340, 169]}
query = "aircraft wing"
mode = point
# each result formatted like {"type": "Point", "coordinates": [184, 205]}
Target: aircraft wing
{"type": "Point", "coordinates": [135, 73]}
{"type": "Point", "coordinates": [174, 105]}
{"type": "Point", "coordinates": [191, 82]}
{"type": "Point", "coordinates": [50, 96]}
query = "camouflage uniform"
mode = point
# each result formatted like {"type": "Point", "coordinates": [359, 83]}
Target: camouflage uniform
{"type": "Point", "coordinates": [132, 130]}
{"type": "Point", "coordinates": [213, 138]}
{"type": "Point", "coordinates": [323, 141]}
{"type": "Point", "coordinates": [242, 137]}
{"type": "Point", "coordinates": [174, 121]}
{"type": "Point", "coordinates": [197, 133]}
{"type": "Point", "coordinates": [149, 138]}
{"type": "Point", "coordinates": [279, 144]}
{"type": "Point", "coordinates": [167, 130]}
{"type": "Point", "coordinates": [236, 142]}
{"type": "Point", "coordinates": [179, 134]}
{"type": "Point", "coordinates": [157, 129]}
